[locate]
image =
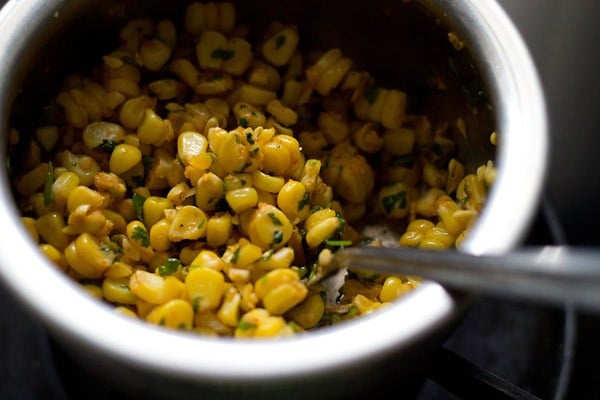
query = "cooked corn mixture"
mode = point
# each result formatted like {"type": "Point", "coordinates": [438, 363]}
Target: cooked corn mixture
{"type": "Point", "coordinates": [197, 181]}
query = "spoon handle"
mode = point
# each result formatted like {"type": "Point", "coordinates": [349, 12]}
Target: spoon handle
{"type": "Point", "coordinates": [553, 274]}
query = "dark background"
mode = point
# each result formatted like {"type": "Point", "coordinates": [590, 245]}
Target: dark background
{"type": "Point", "coordinates": [522, 343]}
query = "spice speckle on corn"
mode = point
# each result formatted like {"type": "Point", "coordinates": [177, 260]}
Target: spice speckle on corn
{"type": "Point", "coordinates": [197, 180]}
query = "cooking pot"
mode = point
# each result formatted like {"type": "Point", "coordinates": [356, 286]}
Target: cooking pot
{"type": "Point", "coordinates": [401, 43]}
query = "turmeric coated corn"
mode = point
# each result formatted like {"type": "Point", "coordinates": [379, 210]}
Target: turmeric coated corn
{"type": "Point", "coordinates": [196, 180]}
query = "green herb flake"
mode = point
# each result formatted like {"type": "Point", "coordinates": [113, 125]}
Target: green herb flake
{"type": "Point", "coordinates": [222, 54]}
{"type": "Point", "coordinates": [245, 325]}
{"type": "Point", "coordinates": [305, 202]}
{"type": "Point", "coordinates": [366, 241]}
{"type": "Point", "coordinates": [313, 272]}
{"type": "Point", "coordinates": [125, 286]}
{"type": "Point", "coordinates": [169, 267]}
{"type": "Point", "coordinates": [48, 193]}
{"type": "Point", "coordinates": [147, 162]}
{"type": "Point", "coordinates": [302, 272]}
{"type": "Point", "coordinates": [107, 146]}
{"type": "Point", "coordinates": [352, 311]}
{"type": "Point", "coordinates": [163, 321]}
{"type": "Point", "coordinates": [275, 220]}
{"type": "Point", "coordinates": [390, 202]}
{"type": "Point", "coordinates": [140, 234]}
{"type": "Point", "coordinates": [244, 124]}
{"type": "Point", "coordinates": [277, 238]}
{"type": "Point", "coordinates": [338, 243]}
{"type": "Point", "coordinates": [371, 95]}
{"type": "Point", "coordinates": [279, 41]}
{"type": "Point", "coordinates": [138, 204]}
{"type": "Point", "coordinates": [249, 138]}
{"type": "Point", "coordinates": [315, 209]}
{"type": "Point", "coordinates": [236, 255]}
{"type": "Point", "coordinates": [201, 224]}
{"type": "Point", "coordinates": [196, 302]}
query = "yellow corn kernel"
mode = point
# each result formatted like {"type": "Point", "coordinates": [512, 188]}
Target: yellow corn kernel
{"type": "Point", "coordinates": [333, 126]}
{"type": "Point", "coordinates": [246, 254]}
{"type": "Point", "coordinates": [364, 305]}
{"type": "Point", "coordinates": [124, 86]}
{"type": "Point", "coordinates": [133, 111]}
{"type": "Point", "coordinates": [50, 228]}
{"type": "Point", "coordinates": [392, 288]}
{"type": "Point", "coordinates": [237, 181]}
{"type": "Point", "coordinates": [205, 288]}
{"type": "Point", "coordinates": [185, 70]}
{"type": "Point", "coordinates": [356, 180]}
{"type": "Point", "coordinates": [219, 229]}
{"type": "Point", "coordinates": [367, 139]}
{"type": "Point", "coordinates": [415, 232]}
{"type": "Point", "coordinates": [269, 227]}
{"type": "Point", "coordinates": [293, 200]}
{"type": "Point", "coordinates": [47, 136]}
{"type": "Point", "coordinates": [333, 76]}
{"type": "Point", "coordinates": [280, 290]}
{"type": "Point", "coordinates": [308, 313]}
{"type": "Point", "coordinates": [399, 141]}
{"type": "Point", "coordinates": [255, 95]}
{"type": "Point", "coordinates": [241, 58]}
{"type": "Point", "coordinates": [155, 289]}
{"type": "Point", "coordinates": [84, 196]}
{"type": "Point", "coordinates": [174, 314]}
{"type": "Point", "coordinates": [155, 54]}
{"type": "Point", "coordinates": [209, 190]}
{"type": "Point", "coordinates": [153, 129]}
{"type": "Point", "coordinates": [166, 89]}
{"type": "Point", "coordinates": [102, 135]}
{"type": "Point", "coordinates": [292, 93]}
{"type": "Point", "coordinates": [281, 258]}
{"type": "Point", "coordinates": [75, 115]}
{"type": "Point", "coordinates": [125, 311]}
{"type": "Point", "coordinates": [189, 223]}
{"type": "Point", "coordinates": [282, 113]}
{"type": "Point", "coordinates": [259, 324]}
{"type": "Point", "coordinates": [116, 290]}
{"type": "Point", "coordinates": [78, 264]}
{"type": "Point", "coordinates": [94, 252]}
{"type": "Point", "coordinates": [322, 231]}
{"type": "Point", "coordinates": [281, 46]}
{"type": "Point", "coordinates": [393, 200]}
{"type": "Point", "coordinates": [119, 269]}
{"type": "Point", "coordinates": [446, 207]}
{"type": "Point", "coordinates": [426, 204]}
{"type": "Point", "coordinates": [179, 194]}
{"type": "Point", "coordinates": [456, 172]}
{"type": "Point", "coordinates": [166, 32]}
{"type": "Point", "coordinates": [93, 290]}
{"type": "Point", "coordinates": [212, 84]}
{"type": "Point", "coordinates": [266, 182]}
{"type": "Point", "coordinates": [208, 259]}
{"type": "Point", "coordinates": [118, 221]}
{"type": "Point", "coordinates": [84, 166]}
{"type": "Point", "coordinates": [153, 210]}
{"type": "Point", "coordinates": [437, 238]}
{"type": "Point", "coordinates": [242, 199]}
{"type": "Point", "coordinates": [229, 312]}
{"type": "Point", "coordinates": [54, 255]}
{"type": "Point", "coordinates": [62, 188]}
{"type": "Point", "coordinates": [471, 193]}
{"type": "Point", "coordinates": [123, 158]}
{"type": "Point", "coordinates": [29, 224]}
{"type": "Point", "coordinates": [159, 235]}
{"type": "Point", "coordinates": [392, 114]}
{"type": "Point", "coordinates": [325, 62]}
{"type": "Point", "coordinates": [313, 143]}
{"type": "Point", "coordinates": [32, 180]}
{"type": "Point", "coordinates": [211, 50]}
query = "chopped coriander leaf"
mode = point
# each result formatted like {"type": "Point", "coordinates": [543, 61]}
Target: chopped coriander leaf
{"type": "Point", "coordinates": [107, 146]}
{"type": "Point", "coordinates": [48, 193]}
{"type": "Point", "coordinates": [201, 223]}
{"type": "Point", "coordinates": [366, 241]}
{"type": "Point", "coordinates": [338, 243]}
{"type": "Point", "coordinates": [138, 204]}
{"type": "Point", "coordinates": [169, 267]}
{"type": "Point", "coordinates": [182, 326]}
{"type": "Point", "coordinates": [275, 220]}
{"type": "Point", "coordinates": [245, 325]}
{"type": "Point", "coordinates": [279, 41]}
{"type": "Point", "coordinates": [140, 234]}
{"type": "Point", "coordinates": [352, 311]}
{"type": "Point", "coordinates": [244, 124]}
{"type": "Point", "coordinates": [389, 202]}
{"type": "Point", "coordinates": [277, 238]}
{"type": "Point", "coordinates": [222, 54]}
{"type": "Point", "coordinates": [125, 286]}
{"type": "Point", "coordinates": [236, 255]}
{"type": "Point", "coordinates": [249, 138]}
{"type": "Point", "coordinates": [313, 272]}
{"type": "Point", "coordinates": [147, 162]}
{"type": "Point", "coordinates": [315, 209]}
{"type": "Point", "coordinates": [196, 302]}
{"type": "Point", "coordinates": [163, 321]}
{"type": "Point", "coordinates": [371, 95]}
{"type": "Point", "coordinates": [302, 272]}
{"type": "Point", "coordinates": [305, 202]}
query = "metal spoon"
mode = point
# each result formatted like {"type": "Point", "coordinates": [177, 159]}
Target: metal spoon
{"type": "Point", "coordinates": [553, 274]}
